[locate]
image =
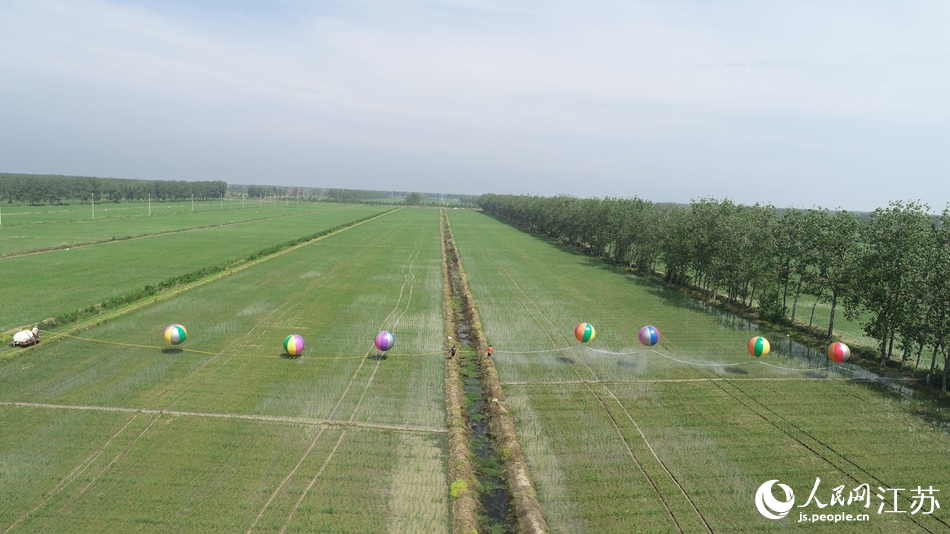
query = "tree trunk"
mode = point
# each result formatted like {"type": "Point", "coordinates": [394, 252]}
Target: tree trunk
{"type": "Point", "coordinates": [795, 303]}
{"type": "Point", "coordinates": [752, 295]}
{"type": "Point", "coordinates": [933, 359]}
{"type": "Point", "coordinates": [883, 351]}
{"type": "Point", "coordinates": [946, 367]}
{"type": "Point", "coordinates": [890, 348]}
{"type": "Point", "coordinates": [920, 350]}
{"type": "Point", "coordinates": [785, 295]}
{"type": "Point", "coordinates": [834, 302]}
{"type": "Point", "coordinates": [812, 318]}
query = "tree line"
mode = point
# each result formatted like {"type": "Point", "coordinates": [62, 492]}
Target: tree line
{"type": "Point", "coordinates": [890, 269]}
{"type": "Point", "coordinates": [54, 189]}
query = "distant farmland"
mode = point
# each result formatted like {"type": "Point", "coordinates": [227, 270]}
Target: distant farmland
{"type": "Point", "coordinates": [104, 427]}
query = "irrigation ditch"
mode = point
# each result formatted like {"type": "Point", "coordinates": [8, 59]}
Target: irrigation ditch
{"type": "Point", "coordinates": [491, 487]}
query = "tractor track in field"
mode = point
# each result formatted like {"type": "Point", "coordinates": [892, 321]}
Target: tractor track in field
{"type": "Point", "coordinates": [159, 413]}
{"type": "Point", "coordinates": [246, 417]}
{"type": "Point", "coordinates": [535, 311]}
{"type": "Point", "coordinates": [125, 239]}
{"type": "Point", "coordinates": [409, 279]}
{"type": "Point", "coordinates": [818, 443]}
{"type": "Point", "coordinates": [59, 488]}
{"type": "Point", "coordinates": [68, 479]}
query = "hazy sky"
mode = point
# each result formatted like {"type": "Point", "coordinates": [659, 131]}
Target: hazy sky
{"type": "Point", "coordinates": [793, 103]}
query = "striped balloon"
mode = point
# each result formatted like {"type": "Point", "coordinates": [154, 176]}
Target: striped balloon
{"type": "Point", "coordinates": [584, 332]}
{"type": "Point", "coordinates": [649, 336]}
{"type": "Point", "coordinates": [759, 346]}
{"type": "Point", "coordinates": [175, 334]}
{"type": "Point", "coordinates": [294, 344]}
{"type": "Point", "coordinates": [384, 341]}
{"type": "Point", "coordinates": [838, 352]}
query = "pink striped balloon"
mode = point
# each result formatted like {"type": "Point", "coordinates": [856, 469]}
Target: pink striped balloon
{"type": "Point", "coordinates": [839, 352]}
{"type": "Point", "coordinates": [384, 341]}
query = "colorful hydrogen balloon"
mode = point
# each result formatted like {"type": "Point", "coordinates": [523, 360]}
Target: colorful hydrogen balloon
{"type": "Point", "coordinates": [584, 332]}
{"type": "Point", "coordinates": [175, 334]}
{"type": "Point", "coordinates": [759, 346]}
{"type": "Point", "coordinates": [838, 352]}
{"type": "Point", "coordinates": [649, 336]}
{"type": "Point", "coordinates": [294, 344]}
{"type": "Point", "coordinates": [384, 341]}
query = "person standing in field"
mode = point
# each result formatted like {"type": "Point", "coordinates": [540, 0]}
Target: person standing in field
{"type": "Point", "coordinates": [490, 351]}
{"type": "Point", "coordinates": [452, 352]}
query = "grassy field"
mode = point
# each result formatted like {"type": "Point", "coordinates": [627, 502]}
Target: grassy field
{"type": "Point", "coordinates": [620, 438]}
{"type": "Point", "coordinates": [114, 432]}
{"type": "Point", "coordinates": [34, 287]}
{"type": "Point", "coordinates": [38, 228]}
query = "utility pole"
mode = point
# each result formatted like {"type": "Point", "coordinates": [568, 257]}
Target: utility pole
{"type": "Point", "coordinates": [192, 203]}
{"type": "Point", "coordinates": [149, 203]}
{"type": "Point", "coordinates": [93, 205]}
{"type": "Point", "coordinates": [243, 198]}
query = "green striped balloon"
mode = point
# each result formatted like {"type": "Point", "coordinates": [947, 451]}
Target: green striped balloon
{"type": "Point", "coordinates": [759, 346]}
{"type": "Point", "coordinates": [584, 332]}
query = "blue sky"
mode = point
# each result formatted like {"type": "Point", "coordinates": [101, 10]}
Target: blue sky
{"type": "Point", "coordinates": [837, 104]}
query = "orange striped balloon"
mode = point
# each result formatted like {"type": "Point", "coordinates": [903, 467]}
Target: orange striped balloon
{"type": "Point", "coordinates": [584, 332]}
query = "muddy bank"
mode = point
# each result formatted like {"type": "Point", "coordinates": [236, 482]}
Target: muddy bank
{"type": "Point", "coordinates": [461, 474]}
{"type": "Point", "coordinates": [527, 511]}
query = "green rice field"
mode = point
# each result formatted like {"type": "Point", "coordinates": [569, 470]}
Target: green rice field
{"type": "Point", "coordinates": [109, 429]}
{"type": "Point", "coordinates": [622, 438]}
{"type": "Point", "coordinates": [112, 431]}
{"type": "Point", "coordinates": [51, 283]}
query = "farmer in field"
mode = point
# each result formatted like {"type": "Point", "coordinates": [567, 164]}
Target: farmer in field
{"type": "Point", "coordinates": [490, 351]}
{"type": "Point", "coordinates": [26, 337]}
{"type": "Point", "coordinates": [452, 352]}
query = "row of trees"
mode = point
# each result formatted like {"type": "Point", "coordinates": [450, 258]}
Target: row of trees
{"type": "Point", "coordinates": [891, 269]}
{"type": "Point", "coordinates": [54, 189]}
{"type": "Point", "coordinates": [355, 194]}
{"type": "Point", "coordinates": [274, 191]}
